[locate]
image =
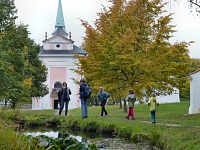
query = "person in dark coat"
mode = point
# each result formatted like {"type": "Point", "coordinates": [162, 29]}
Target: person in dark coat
{"type": "Point", "coordinates": [84, 106]}
{"type": "Point", "coordinates": [63, 96]}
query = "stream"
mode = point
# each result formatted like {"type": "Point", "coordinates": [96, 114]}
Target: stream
{"type": "Point", "coordinates": [103, 142]}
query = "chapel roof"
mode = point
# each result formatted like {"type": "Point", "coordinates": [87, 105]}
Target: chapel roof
{"type": "Point", "coordinates": [194, 72]}
{"type": "Point", "coordinates": [60, 23]}
{"type": "Point", "coordinates": [76, 50]}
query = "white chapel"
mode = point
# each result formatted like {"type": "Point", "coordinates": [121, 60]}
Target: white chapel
{"type": "Point", "coordinates": [57, 53]}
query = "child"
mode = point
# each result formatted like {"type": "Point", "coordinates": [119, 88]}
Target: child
{"type": "Point", "coordinates": [153, 103]}
{"type": "Point", "coordinates": [131, 100]}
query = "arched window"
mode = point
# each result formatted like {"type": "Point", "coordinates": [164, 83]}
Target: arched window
{"type": "Point", "coordinates": [57, 85]}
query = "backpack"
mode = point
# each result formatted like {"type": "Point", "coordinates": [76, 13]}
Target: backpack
{"type": "Point", "coordinates": [87, 91]}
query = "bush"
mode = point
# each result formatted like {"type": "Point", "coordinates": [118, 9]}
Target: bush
{"type": "Point", "coordinates": [10, 140]}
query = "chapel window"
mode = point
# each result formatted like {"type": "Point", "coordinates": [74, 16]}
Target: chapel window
{"type": "Point", "coordinates": [57, 85]}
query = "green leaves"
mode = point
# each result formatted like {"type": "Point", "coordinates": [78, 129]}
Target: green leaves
{"type": "Point", "coordinates": [129, 48]}
{"type": "Point", "coordinates": [22, 74]}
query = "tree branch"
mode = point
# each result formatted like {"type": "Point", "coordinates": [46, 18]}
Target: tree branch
{"type": "Point", "coordinates": [195, 3]}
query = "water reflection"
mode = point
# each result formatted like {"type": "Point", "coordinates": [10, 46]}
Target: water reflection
{"type": "Point", "coordinates": [103, 142]}
{"type": "Point", "coordinates": [53, 134]}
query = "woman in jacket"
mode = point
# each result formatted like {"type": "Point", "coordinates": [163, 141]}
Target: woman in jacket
{"type": "Point", "coordinates": [63, 96]}
{"type": "Point", "coordinates": [102, 97]}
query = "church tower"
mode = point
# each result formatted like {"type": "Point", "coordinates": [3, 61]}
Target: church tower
{"type": "Point", "coordinates": [57, 53]}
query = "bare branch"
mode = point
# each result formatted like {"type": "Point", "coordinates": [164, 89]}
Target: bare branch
{"type": "Point", "coordinates": [194, 2]}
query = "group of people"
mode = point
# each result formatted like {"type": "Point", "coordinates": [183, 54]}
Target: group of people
{"type": "Point", "coordinates": [153, 103]}
{"type": "Point", "coordinates": [64, 98]}
{"type": "Point", "coordinates": [65, 92]}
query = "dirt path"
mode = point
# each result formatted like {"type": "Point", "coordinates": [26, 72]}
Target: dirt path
{"type": "Point", "coordinates": [171, 125]}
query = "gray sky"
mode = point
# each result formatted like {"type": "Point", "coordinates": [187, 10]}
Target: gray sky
{"type": "Point", "coordinates": [40, 16]}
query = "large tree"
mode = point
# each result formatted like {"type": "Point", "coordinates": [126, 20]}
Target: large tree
{"type": "Point", "coordinates": [22, 74]}
{"type": "Point", "coordinates": [129, 48]}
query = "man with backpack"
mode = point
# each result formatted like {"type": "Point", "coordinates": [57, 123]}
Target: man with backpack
{"type": "Point", "coordinates": [85, 92]}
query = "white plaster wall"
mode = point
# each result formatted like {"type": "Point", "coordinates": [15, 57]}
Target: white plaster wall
{"type": "Point", "coordinates": [44, 103]}
{"type": "Point", "coordinates": [51, 43]}
{"type": "Point", "coordinates": [59, 61]}
{"type": "Point", "coordinates": [72, 85]}
{"type": "Point", "coordinates": [173, 98]}
{"type": "Point", "coordinates": [194, 94]}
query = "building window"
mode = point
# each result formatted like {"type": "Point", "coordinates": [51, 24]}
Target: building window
{"type": "Point", "coordinates": [57, 85]}
{"type": "Point", "coordinates": [58, 45]}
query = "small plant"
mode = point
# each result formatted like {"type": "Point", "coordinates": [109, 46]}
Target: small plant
{"type": "Point", "coordinates": [140, 137]}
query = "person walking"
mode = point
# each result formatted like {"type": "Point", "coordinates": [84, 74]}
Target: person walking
{"type": "Point", "coordinates": [131, 101]}
{"type": "Point", "coordinates": [153, 103]}
{"type": "Point", "coordinates": [83, 99]}
{"type": "Point", "coordinates": [102, 97]}
{"type": "Point", "coordinates": [64, 98]}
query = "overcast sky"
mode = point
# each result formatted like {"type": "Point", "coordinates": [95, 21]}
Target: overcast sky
{"type": "Point", "coordinates": [40, 16]}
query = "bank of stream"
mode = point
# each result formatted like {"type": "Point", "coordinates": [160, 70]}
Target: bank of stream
{"type": "Point", "coordinates": [102, 141]}
{"type": "Point", "coordinates": [118, 130]}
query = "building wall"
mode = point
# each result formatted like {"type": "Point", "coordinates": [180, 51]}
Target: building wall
{"type": "Point", "coordinates": [57, 74]}
{"type": "Point", "coordinates": [194, 94]}
{"type": "Point", "coordinates": [173, 98]}
{"type": "Point", "coordinates": [59, 70]}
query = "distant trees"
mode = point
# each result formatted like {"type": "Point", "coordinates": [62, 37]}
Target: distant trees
{"type": "Point", "coordinates": [129, 48]}
{"type": "Point", "coordinates": [22, 74]}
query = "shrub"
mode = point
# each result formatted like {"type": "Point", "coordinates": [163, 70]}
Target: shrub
{"type": "Point", "coordinates": [92, 127]}
{"type": "Point", "coordinates": [140, 137]}
{"type": "Point", "coordinates": [108, 129]}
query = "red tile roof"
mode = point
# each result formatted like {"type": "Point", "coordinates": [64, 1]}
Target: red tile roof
{"type": "Point", "coordinates": [194, 72]}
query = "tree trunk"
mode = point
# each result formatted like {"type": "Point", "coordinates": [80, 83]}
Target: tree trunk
{"type": "Point", "coordinates": [125, 106]}
{"type": "Point", "coordinates": [6, 103]}
{"type": "Point", "coordinates": [13, 105]}
{"type": "Point", "coordinates": [120, 102]}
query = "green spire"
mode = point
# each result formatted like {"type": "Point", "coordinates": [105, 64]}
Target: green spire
{"type": "Point", "coordinates": [60, 23]}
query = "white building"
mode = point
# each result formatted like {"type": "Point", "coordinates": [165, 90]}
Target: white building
{"type": "Point", "coordinates": [194, 92]}
{"type": "Point", "coordinates": [57, 53]}
{"type": "Point", "coordinates": [173, 98]}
